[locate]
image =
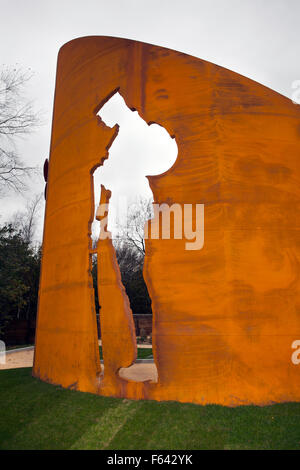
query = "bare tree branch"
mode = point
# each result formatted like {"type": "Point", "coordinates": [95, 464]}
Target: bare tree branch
{"type": "Point", "coordinates": [26, 221]}
{"type": "Point", "coordinates": [17, 118]}
{"type": "Point", "coordinates": [132, 234]}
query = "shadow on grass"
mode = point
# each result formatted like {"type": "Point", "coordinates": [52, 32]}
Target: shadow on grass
{"type": "Point", "coordinates": [36, 415]}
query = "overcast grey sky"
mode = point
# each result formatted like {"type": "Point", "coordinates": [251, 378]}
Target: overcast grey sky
{"type": "Point", "coordinates": [257, 38]}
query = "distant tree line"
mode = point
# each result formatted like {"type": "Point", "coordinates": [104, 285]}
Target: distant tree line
{"type": "Point", "coordinates": [19, 278]}
{"type": "Point", "coordinates": [130, 251]}
{"type": "Point", "coordinates": [19, 271]}
{"type": "Point", "coordinates": [131, 267]}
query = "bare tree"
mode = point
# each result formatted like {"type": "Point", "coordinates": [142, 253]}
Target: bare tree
{"type": "Point", "coordinates": [129, 259]}
{"type": "Point", "coordinates": [132, 232]}
{"type": "Point", "coordinates": [17, 118]}
{"type": "Point", "coordinates": [26, 221]}
{"type": "Point", "coordinates": [130, 251]}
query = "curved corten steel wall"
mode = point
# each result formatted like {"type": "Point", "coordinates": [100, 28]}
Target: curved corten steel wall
{"type": "Point", "coordinates": [225, 316]}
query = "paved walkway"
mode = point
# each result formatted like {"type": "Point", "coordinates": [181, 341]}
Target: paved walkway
{"type": "Point", "coordinates": [137, 372]}
{"type": "Point", "coordinates": [15, 360]}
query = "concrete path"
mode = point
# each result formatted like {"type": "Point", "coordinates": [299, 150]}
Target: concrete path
{"type": "Point", "coordinates": [137, 372]}
{"type": "Point", "coordinates": [17, 359]}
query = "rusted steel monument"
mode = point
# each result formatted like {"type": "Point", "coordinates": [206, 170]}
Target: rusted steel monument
{"type": "Point", "coordinates": [224, 316]}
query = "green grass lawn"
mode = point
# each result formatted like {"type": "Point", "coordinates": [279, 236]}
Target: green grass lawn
{"type": "Point", "coordinates": [143, 353]}
{"type": "Point", "coordinates": [36, 415]}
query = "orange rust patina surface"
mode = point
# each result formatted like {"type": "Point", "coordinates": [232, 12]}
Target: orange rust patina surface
{"type": "Point", "coordinates": [225, 316]}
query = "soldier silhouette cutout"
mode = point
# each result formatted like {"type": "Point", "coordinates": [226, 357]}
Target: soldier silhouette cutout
{"type": "Point", "coordinates": [138, 150]}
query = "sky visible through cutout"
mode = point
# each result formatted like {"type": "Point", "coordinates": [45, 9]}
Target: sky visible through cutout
{"type": "Point", "coordinates": [137, 151]}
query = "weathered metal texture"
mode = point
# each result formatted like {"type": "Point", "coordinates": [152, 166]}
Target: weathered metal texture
{"type": "Point", "coordinates": [224, 317]}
